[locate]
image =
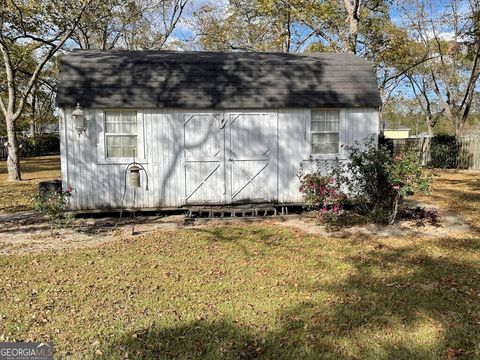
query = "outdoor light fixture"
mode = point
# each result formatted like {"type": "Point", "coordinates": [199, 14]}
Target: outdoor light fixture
{"type": "Point", "coordinates": [79, 119]}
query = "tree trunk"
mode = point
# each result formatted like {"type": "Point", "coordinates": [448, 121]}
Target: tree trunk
{"type": "Point", "coordinates": [33, 128]}
{"type": "Point", "coordinates": [458, 126]}
{"type": "Point", "coordinates": [429, 127]}
{"type": "Point", "coordinates": [381, 120]}
{"type": "Point", "coordinates": [33, 105]}
{"type": "Point", "coordinates": [13, 158]}
{"type": "Point", "coordinates": [353, 21]}
{"type": "Point", "coordinates": [352, 40]}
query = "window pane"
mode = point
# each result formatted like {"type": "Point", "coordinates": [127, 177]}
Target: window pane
{"type": "Point", "coordinates": [331, 138]}
{"type": "Point", "coordinates": [325, 128]}
{"type": "Point", "coordinates": [130, 142]}
{"type": "Point", "coordinates": [129, 116]}
{"type": "Point", "coordinates": [318, 148]}
{"type": "Point", "coordinates": [126, 128]}
{"type": "Point", "coordinates": [332, 115]}
{"type": "Point", "coordinates": [318, 115]}
{"type": "Point", "coordinates": [129, 120]}
{"type": "Point", "coordinates": [113, 116]}
{"type": "Point", "coordinates": [331, 126]}
{"type": "Point", "coordinates": [318, 126]}
{"type": "Point", "coordinates": [130, 146]}
{"type": "Point", "coordinates": [113, 122]}
{"type": "Point", "coordinates": [318, 138]}
{"type": "Point", "coordinates": [333, 120]}
{"type": "Point", "coordinates": [114, 141]}
{"type": "Point", "coordinates": [113, 152]}
{"type": "Point", "coordinates": [121, 146]}
{"type": "Point", "coordinates": [325, 143]}
{"type": "Point", "coordinates": [113, 128]}
{"type": "Point", "coordinates": [331, 148]}
{"type": "Point", "coordinates": [121, 122]}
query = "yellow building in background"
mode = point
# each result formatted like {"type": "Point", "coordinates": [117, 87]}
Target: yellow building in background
{"type": "Point", "coordinates": [403, 133]}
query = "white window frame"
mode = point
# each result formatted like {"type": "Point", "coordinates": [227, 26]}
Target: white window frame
{"type": "Point", "coordinates": [340, 132]}
{"type": "Point", "coordinates": [102, 139]}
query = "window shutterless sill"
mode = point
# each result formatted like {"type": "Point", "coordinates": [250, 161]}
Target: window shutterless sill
{"type": "Point", "coordinates": [324, 157]}
{"type": "Point", "coordinates": [120, 161]}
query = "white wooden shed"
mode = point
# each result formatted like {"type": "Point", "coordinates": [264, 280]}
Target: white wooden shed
{"type": "Point", "coordinates": [208, 127]}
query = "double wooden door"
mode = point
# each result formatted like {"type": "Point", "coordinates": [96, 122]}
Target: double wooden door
{"type": "Point", "coordinates": [230, 157]}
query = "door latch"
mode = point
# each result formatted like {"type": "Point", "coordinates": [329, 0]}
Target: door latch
{"type": "Point", "coordinates": [223, 122]}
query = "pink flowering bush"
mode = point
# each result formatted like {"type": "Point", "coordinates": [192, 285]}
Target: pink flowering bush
{"type": "Point", "coordinates": [371, 181]}
{"type": "Point", "coordinates": [321, 193]}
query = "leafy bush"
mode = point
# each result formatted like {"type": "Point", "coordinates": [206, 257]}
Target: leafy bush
{"type": "Point", "coordinates": [321, 193]}
{"type": "Point", "coordinates": [53, 205]}
{"type": "Point", "coordinates": [39, 145]}
{"type": "Point", "coordinates": [405, 177]}
{"type": "Point", "coordinates": [363, 176]}
{"type": "Point", "coordinates": [443, 152]}
{"type": "Point", "coordinates": [376, 183]}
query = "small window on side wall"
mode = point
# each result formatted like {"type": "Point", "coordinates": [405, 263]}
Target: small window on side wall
{"type": "Point", "coordinates": [325, 131]}
{"type": "Point", "coordinates": [121, 134]}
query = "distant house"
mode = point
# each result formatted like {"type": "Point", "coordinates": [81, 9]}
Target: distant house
{"type": "Point", "coordinates": [208, 127]}
{"type": "Point", "coordinates": [395, 131]}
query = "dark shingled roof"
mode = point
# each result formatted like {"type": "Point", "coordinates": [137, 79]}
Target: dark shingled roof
{"type": "Point", "coordinates": [215, 80]}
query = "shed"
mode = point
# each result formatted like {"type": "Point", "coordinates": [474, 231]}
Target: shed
{"type": "Point", "coordinates": [208, 127]}
{"type": "Point", "coordinates": [396, 131]}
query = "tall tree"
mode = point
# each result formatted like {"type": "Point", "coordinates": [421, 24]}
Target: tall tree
{"type": "Point", "coordinates": [29, 28]}
{"type": "Point", "coordinates": [260, 25]}
{"type": "Point", "coordinates": [450, 38]}
{"type": "Point", "coordinates": [129, 24]}
{"type": "Point", "coordinates": [291, 25]}
{"type": "Point", "coordinates": [430, 109]}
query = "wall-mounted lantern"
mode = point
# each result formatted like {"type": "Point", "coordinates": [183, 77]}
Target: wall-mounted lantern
{"type": "Point", "coordinates": [79, 119]}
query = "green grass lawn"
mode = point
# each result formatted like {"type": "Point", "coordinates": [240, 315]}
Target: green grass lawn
{"type": "Point", "coordinates": [248, 291]}
{"type": "Point", "coordinates": [16, 196]}
{"type": "Point", "coordinates": [251, 290]}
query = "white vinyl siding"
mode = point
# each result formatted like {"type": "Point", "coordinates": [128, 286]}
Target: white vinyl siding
{"type": "Point", "coordinates": [161, 147]}
{"type": "Point", "coordinates": [325, 131]}
{"type": "Point", "coordinates": [121, 134]}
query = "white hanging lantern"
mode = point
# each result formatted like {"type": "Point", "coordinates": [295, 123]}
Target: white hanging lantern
{"type": "Point", "coordinates": [79, 119]}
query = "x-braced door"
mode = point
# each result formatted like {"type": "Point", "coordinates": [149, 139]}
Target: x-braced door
{"type": "Point", "coordinates": [252, 157]}
{"type": "Point", "coordinates": [204, 160]}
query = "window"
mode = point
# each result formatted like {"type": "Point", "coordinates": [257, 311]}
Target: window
{"type": "Point", "coordinates": [121, 134]}
{"type": "Point", "coordinates": [325, 131]}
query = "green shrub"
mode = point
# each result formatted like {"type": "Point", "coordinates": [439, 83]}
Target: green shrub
{"type": "Point", "coordinates": [363, 174]}
{"type": "Point", "coordinates": [443, 152]}
{"type": "Point", "coordinates": [376, 183]}
{"type": "Point", "coordinates": [405, 177]}
{"type": "Point", "coordinates": [39, 145]}
{"type": "Point", "coordinates": [53, 205]}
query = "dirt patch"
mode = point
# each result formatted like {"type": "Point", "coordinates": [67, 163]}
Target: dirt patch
{"type": "Point", "coordinates": [29, 232]}
{"type": "Point", "coordinates": [449, 225]}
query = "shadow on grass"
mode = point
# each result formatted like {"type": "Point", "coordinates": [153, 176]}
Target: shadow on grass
{"type": "Point", "coordinates": [396, 303]}
{"type": "Point", "coordinates": [35, 164]}
{"type": "Point", "coordinates": [463, 203]}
